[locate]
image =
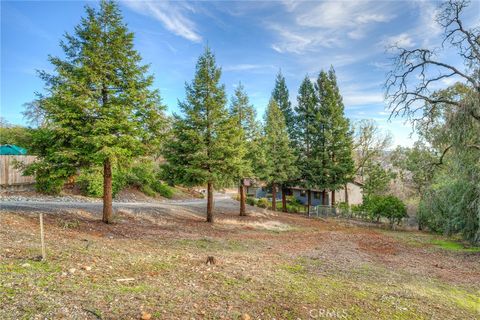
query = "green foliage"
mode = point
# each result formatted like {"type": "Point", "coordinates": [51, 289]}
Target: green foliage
{"type": "Point", "coordinates": [307, 134]}
{"type": "Point", "coordinates": [280, 159]}
{"type": "Point", "coordinates": [143, 174]}
{"type": "Point", "coordinates": [451, 206]}
{"type": "Point", "coordinates": [99, 105]}
{"type": "Point", "coordinates": [251, 201]}
{"type": "Point", "coordinates": [416, 165]}
{"type": "Point", "coordinates": [377, 179]}
{"type": "Point", "coordinates": [445, 163]}
{"type": "Point", "coordinates": [334, 147]}
{"type": "Point", "coordinates": [49, 179]}
{"type": "Point", "coordinates": [90, 181]}
{"type": "Point", "coordinates": [163, 190]}
{"type": "Point", "coordinates": [263, 203]}
{"type": "Point", "coordinates": [206, 143]}
{"type": "Point", "coordinates": [281, 96]}
{"type": "Point", "coordinates": [389, 207]}
{"type": "Point", "coordinates": [14, 134]}
{"type": "Point", "coordinates": [344, 208]}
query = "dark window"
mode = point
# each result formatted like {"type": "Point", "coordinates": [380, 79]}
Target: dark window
{"type": "Point", "coordinates": [317, 195]}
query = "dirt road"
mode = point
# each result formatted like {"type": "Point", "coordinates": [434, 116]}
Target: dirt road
{"type": "Point", "coordinates": [223, 203]}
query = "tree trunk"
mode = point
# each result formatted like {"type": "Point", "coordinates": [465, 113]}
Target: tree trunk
{"type": "Point", "coordinates": [274, 197]}
{"type": "Point", "coordinates": [309, 201]}
{"type": "Point", "coordinates": [107, 191]}
{"type": "Point", "coordinates": [242, 198]}
{"type": "Point", "coordinates": [284, 200]}
{"type": "Point", "coordinates": [332, 203]}
{"type": "Point", "coordinates": [324, 197]}
{"type": "Point", "coordinates": [346, 193]}
{"type": "Point", "coordinates": [210, 202]}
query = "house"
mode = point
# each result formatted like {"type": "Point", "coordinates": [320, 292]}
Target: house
{"type": "Point", "coordinates": [355, 193]}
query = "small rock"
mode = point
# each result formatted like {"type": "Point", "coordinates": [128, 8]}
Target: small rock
{"type": "Point", "coordinates": [245, 316]}
{"type": "Point", "coordinates": [146, 316]}
{"type": "Point", "coordinates": [87, 268]}
{"type": "Point", "coordinates": [72, 270]}
{"type": "Point", "coordinates": [26, 265]}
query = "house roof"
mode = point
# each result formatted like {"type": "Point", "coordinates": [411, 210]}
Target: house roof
{"type": "Point", "coordinates": [11, 149]}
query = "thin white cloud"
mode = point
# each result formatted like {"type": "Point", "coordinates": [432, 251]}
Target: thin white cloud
{"type": "Point", "coordinates": [339, 14]}
{"type": "Point", "coordinates": [247, 67]}
{"type": "Point", "coordinates": [309, 26]}
{"type": "Point", "coordinates": [402, 40]}
{"type": "Point", "coordinates": [172, 15]}
{"type": "Point", "coordinates": [359, 98]}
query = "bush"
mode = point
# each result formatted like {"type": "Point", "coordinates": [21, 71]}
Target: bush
{"type": "Point", "coordinates": [143, 175]}
{"type": "Point", "coordinates": [344, 208]}
{"type": "Point", "coordinates": [90, 181]}
{"type": "Point", "coordinates": [389, 207]}
{"type": "Point", "coordinates": [295, 208]}
{"type": "Point", "coordinates": [450, 207]}
{"type": "Point", "coordinates": [263, 203]}
{"type": "Point", "coordinates": [251, 201]}
{"type": "Point", "coordinates": [163, 189]}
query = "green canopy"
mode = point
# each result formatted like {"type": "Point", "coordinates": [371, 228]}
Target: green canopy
{"type": "Point", "coordinates": [10, 149]}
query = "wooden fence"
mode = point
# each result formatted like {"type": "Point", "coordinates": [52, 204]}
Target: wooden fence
{"type": "Point", "coordinates": [10, 175]}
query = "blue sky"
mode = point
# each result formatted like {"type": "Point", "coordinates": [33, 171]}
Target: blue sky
{"type": "Point", "coordinates": [252, 41]}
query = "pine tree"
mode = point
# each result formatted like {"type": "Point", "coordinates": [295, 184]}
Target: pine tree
{"type": "Point", "coordinates": [281, 96]}
{"type": "Point", "coordinates": [306, 135]}
{"type": "Point", "coordinates": [99, 105]}
{"type": "Point", "coordinates": [280, 158]}
{"type": "Point", "coordinates": [336, 153]}
{"type": "Point", "coordinates": [206, 145]}
{"type": "Point", "coordinates": [245, 115]}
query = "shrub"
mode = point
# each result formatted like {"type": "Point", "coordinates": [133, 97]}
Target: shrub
{"type": "Point", "coordinates": [389, 207]}
{"type": "Point", "coordinates": [90, 181]}
{"type": "Point", "coordinates": [450, 207]}
{"type": "Point", "coordinates": [263, 203]}
{"type": "Point", "coordinates": [163, 189]}
{"type": "Point", "coordinates": [344, 208]}
{"type": "Point", "coordinates": [293, 201]}
{"type": "Point", "coordinates": [251, 201]}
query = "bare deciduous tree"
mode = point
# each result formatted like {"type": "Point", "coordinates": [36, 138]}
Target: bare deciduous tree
{"type": "Point", "coordinates": [418, 72]}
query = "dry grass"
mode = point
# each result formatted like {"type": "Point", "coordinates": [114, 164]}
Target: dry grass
{"type": "Point", "coordinates": [269, 266]}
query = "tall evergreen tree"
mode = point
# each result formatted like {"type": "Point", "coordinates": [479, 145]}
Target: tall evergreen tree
{"type": "Point", "coordinates": [99, 107]}
{"type": "Point", "coordinates": [245, 115]}
{"type": "Point", "coordinates": [280, 158]}
{"type": "Point", "coordinates": [206, 147]}
{"type": "Point", "coordinates": [306, 135]}
{"type": "Point", "coordinates": [337, 153]}
{"type": "Point", "coordinates": [281, 96]}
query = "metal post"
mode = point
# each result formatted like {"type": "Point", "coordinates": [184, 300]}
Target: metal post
{"type": "Point", "coordinates": [42, 238]}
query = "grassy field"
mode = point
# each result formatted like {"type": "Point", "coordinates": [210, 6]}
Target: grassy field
{"type": "Point", "coordinates": [268, 267]}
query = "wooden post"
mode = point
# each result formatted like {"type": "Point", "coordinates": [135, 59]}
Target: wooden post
{"type": "Point", "coordinates": [332, 203]}
{"type": "Point", "coordinates": [42, 238]}
{"type": "Point", "coordinates": [274, 197]}
{"type": "Point", "coordinates": [210, 202]}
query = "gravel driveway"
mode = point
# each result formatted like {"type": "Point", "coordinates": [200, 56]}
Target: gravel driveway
{"type": "Point", "coordinates": [62, 204]}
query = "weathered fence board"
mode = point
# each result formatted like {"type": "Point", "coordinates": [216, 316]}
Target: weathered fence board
{"type": "Point", "coordinates": [10, 175]}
